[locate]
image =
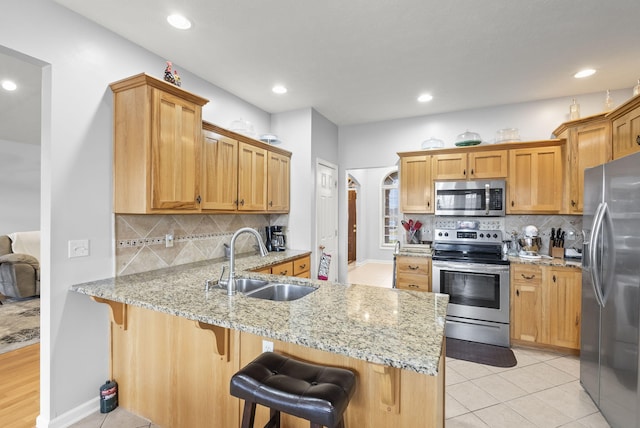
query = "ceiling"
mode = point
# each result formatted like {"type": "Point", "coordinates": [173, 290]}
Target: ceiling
{"type": "Point", "coordinates": [360, 61]}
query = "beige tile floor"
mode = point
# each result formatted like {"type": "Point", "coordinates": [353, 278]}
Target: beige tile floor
{"type": "Point", "coordinates": [543, 390]}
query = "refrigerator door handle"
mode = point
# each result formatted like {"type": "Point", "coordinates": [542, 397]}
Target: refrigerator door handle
{"type": "Point", "coordinates": [594, 268]}
{"type": "Point", "coordinates": [607, 229]}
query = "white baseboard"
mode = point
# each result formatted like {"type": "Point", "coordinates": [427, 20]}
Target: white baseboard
{"type": "Point", "coordinates": [72, 416]}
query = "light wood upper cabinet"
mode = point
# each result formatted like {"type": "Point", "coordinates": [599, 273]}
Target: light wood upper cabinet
{"type": "Point", "coordinates": [252, 178]}
{"type": "Point", "coordinates": [588, 145]}
{"type": "Point", "coordinates": [278, 183]}
{"type": "Point", "coordinates": [470, 166]}
{"type": "Point", "coordinates": [415, 184]}
{"type": "Point", "coordinates": [219, 172]}
{"type": "Point", "coordinates": [535, 180]}
{"type": "Point", "coordinates": [450, 166]}
{"type": "Point", "coordinates": [157, 146]}
{"type": "Point", "coordinates": [626, 128]}
{"type": "Point", "coordinates": [488, 164]}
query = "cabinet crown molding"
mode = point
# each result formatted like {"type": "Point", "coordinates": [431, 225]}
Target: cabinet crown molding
{"type": "Point", "coordinates": [143, 79]}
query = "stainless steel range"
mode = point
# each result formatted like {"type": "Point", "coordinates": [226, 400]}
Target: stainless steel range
{"type": "Point", "coordinates": [469, 266]}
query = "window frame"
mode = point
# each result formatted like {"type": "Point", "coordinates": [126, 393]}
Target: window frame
{"type": "Point", "coordinates": [382, 213]}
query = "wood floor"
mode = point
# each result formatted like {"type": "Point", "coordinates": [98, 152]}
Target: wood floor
{"type": "Point", "coordinates": [20, 387]}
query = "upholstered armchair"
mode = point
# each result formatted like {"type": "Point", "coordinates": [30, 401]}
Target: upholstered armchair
{"type": "Point", "coordinates": [19, 272]}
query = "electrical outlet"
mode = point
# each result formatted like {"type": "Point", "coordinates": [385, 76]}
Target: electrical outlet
{"type": "Point", "coordinates": [571, 235]}
{"type": "Point", "coordinates": [267, 346]}
{"type": "Point", "coordinates": [78, 248]}
{"type": "Point", "coordinates": [169, 240]}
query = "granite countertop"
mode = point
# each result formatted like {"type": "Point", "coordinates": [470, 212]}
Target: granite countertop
{"type": "Point", "coordinates": [547, 261]}
{"type": "Point", "coordinates": [397, 328]}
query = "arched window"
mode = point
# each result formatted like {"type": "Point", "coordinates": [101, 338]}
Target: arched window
{"type": "Point", "coordinates": [390, 210]}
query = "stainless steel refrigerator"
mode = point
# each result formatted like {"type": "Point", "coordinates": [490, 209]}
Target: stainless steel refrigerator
{"type": "Point", "coordinates": [610, 289]}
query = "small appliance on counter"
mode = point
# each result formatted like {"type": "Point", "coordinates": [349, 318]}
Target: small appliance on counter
{"type": "Point", "coordinates": [276, 239]}
{"type": "Point", "coordinates": [530, 244]}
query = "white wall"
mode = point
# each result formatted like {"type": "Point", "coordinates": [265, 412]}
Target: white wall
{"type": "Point", "coordinates": [19, 187]}
{"type": "Point", "coordinates": [79, 60]}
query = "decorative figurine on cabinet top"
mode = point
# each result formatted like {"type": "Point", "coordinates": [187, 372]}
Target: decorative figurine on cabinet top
{"type": "Point", "coordinates": [177, 79]}
{"type": "Point", "coordinates": [168, 74]}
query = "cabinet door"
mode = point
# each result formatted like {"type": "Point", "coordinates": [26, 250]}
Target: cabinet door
{"type": "Point", "coordinates": [175, 152]}
{"type": "Point", "coordinates": [278, 183]}
{"type": "Point", "coordinates": [491, 164]}
{"type": "Point", "coordinates": [252, 178]}
{"type": "Point", "coordinates": [589, 145]}
{"type": "Point", "coordinates": [415, 184]}
{"type": "Point", "coordinates": [219, 172]}
{"type": "Point", "coordinates": [449, 167]}
{"type": "Point", "coordinates": [526, 303]}
{"type": "Point", "coordinates": [535, 180]}
{"type": "Point", "coordinates": [626, 134]}
{"type": "Point", "coordinates": [565, 293]}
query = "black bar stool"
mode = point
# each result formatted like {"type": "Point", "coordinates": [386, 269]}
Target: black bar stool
{"type": "Point", "coordinates": [316, 393]}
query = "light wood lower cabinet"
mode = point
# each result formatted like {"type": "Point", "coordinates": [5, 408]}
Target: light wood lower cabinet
{"type": "Point", "coordinates": [176, 372]}
{"type": "Point", "coordinates": [299, 267]}
{"type": "Point", "coordinates": [546, 305]}
{"type": "Point", "coordinates": [413, 273]}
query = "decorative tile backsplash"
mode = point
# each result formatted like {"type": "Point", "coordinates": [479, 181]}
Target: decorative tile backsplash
{"type": "Point", "coordinates": [515, 223]}
{"type": "Point", "coordinates": [141, 239]}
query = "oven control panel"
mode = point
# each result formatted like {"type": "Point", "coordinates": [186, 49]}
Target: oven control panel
{"type": "Point", "coordinates": [469, 236]}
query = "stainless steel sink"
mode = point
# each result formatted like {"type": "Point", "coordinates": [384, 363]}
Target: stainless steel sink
{"type": "Point", "coordinates": [247, 285]}
{"type": "Point", "coordinates": [281, 292]}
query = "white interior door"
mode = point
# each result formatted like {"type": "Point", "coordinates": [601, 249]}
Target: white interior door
{"type": "Point", "coordinates": [327, 214]}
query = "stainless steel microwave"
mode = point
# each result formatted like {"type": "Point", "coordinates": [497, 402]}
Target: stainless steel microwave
{"type": "Point", "coordinates": [471, 198]}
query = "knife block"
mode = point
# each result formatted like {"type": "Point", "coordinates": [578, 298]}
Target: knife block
{"type": "Point", "coordinates": [557, 252]}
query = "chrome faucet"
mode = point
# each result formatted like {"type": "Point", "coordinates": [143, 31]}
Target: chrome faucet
{"type": "Point", "coordinates": [230, 282]}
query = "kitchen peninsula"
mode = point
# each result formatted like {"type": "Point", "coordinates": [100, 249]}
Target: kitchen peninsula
{"type": "Point", "coordinates": [174, 346]}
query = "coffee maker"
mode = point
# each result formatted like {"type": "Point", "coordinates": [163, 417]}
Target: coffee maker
{"type": "Point", "coordinates": [276, 239]}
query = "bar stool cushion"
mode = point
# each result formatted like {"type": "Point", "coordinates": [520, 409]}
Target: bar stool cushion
{"type": "Point", "coordinates": [316, 393]}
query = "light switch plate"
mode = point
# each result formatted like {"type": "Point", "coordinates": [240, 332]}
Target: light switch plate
{"type": "Point", "coordinates": [78, 248]}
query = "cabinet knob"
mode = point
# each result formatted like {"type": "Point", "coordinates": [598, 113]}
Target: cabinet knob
{"type": "Point", "coordinates": [638, 140]}
{"type": "Point", "coordinates": [428, 204]}
{"type": "Point", "coordinates": [302, 266]}
{"type": "Point", "coordinates": [573, 203]}
{"type": "Point", "coordinates": [198, 199]}
{"type": "Point", "coordinates": [242, 202]}
{"type": "Point", "coordinates": [513, 204]}
{"type": "Point", "coordinates": [464, 172]}
{"type": "Point", "coordinates": [270, 203]}
{"type": "Point", "coordinates": [472, 172]}
{"type": "Point", "coordinates": [518, 293]}
{"type": "Point", "coordinates": [554, 278]}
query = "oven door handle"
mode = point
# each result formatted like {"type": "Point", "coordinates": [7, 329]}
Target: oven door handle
{"type": "Point", "coordinates": [470, 267]}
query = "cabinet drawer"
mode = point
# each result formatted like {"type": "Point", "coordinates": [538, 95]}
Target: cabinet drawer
{"type": "Point", "coordinates": [263, 270]}
{"type": "Point", "coordinates": [306, 274]}
{"type": "Point", "coordinates": [283, 269]}
{"type": "Point", "coordinates": [301, 265]}
{"type": "Point", "coordinates": [412, 281]}
{"type": "Point", "coordinates": [413, 265]}
{"type": "Point", "coordinates": [526, 275]}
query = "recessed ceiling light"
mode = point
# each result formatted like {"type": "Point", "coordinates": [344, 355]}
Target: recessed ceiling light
{"type": "Point", "coordinates": [179, 22]}
{"type": "Point", "coordinates": [425, 98]}
{"type": "Point", "coordinates": [279, 89]}
{"type": "Point", "coordinates": [8, 85]}
{"type": "Point", "coordinates": [584, 73]}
